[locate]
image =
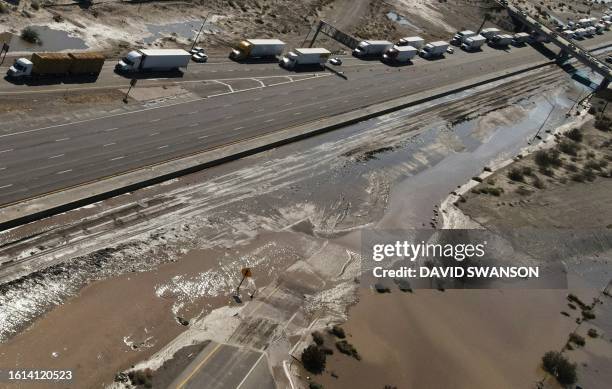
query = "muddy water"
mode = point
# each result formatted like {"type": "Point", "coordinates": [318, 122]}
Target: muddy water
{"type": "Point", "coordinates": [266, 211]}
{"type": "Point", "coordinates": [50, 40]}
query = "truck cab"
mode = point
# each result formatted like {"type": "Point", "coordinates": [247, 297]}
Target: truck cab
{"type": "Point", "coordinates": [129, 63]}
{"type": "Point", "coordinates": [461, 36]}
{"type": "Point", "coordinates": [21, 68]}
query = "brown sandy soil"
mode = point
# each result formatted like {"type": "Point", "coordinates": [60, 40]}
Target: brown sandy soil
{"type": "Point", "coordinates": [106, 312]}
{"type": "Point", "coordinates": [452, 339]}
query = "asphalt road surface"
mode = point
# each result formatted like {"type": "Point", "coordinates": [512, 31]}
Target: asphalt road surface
{"type": "Point", "coordinates": [247, 101]}
{"type": "Point", "coordinates": [221, 366]}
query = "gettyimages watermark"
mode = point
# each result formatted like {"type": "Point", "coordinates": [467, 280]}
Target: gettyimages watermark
{"type": "Point", "coordinates": [481, 259]}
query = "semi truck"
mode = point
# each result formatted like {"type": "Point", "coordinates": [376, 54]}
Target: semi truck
{"type": "Point", "coordinates": [520, 38]}
{"type": "Point", "coordinates": [305, 57]}
{"type": "Point", "coordinates": [400, 54]}
{"type": "Point", "coordinates": [502, 40]}
{"type": "Point", "coordinates": [414, 41]}
{"type": "Point", "coordinates": [257, 49]}
{"type": "Point", "coordinates": [473, 43]}
{"type": "Point", "coordinates": [434, 49]}
{"type": "Point", "coordinates": [490, 32]}
{"type": "Point", "coordinates": [371, 48]}
{"type": "Point", "coordinates": [58, 64]}
{"type": "Point", "coordinates": [151, 60]}
{"type": "Point", "coordinates": [461, 36]}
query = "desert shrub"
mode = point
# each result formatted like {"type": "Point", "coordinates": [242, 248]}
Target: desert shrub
{"type": "Point", "coordinates": [569, 148]}
{"type": "Point", "coordinates": [381, 288]}
{"type": "Point", "coordinates": [35, 5]}
{"type": "Point", "coordinates": [313, 359]}
{"type": "Point", "coordinates": [587, 314]}
{"type": "Point", "coordinates": [515, 174]}
{"type": "Point", "coordinates": [346, 348]}
{"type": "Point", "coordinates": [314, 385]}
{"type": "Point", "coordinates": [603, 124]}
{"type": "Point", "coordinates": [29, 34]}
{"type": "Point", "coordinates": [572, 297]}
{"type": "Point", "coordinates": [141, 377]}
{"type": "Point", "coordinates": [578, 340]}
{"type": "Point", "coordinates": [522, 191]}
{"type": "Point", "coordinates": [527, 171]}
{"type": "Point", "coordinates": [571, 167]}
{"type": "Point", "coordinates": [592, 165]}
{"type": "Point", "coordinates": [4, 9]}
{"type": "Point", "coordinates": [575, 135]}
{"type": "Point", "coordinates": [318, 338]}
{"type": "Point", "coordinates": [338, 332]}
{"type": "Point", "coordinates": [538, 183]}
{"type": "Point", "coordinates": [548, 158]}
{"type": "Point", "coordinates": [477, 179]}
{"type": "Point", "coordinates": [592, 332]}
{"type": "Point", "coordinates": [559, 366]}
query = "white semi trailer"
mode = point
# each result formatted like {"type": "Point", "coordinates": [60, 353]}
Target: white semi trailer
{"type": "Point", "coordinates": [153, 60]}
{"type": "Point", "coordinates": [502, 40]}
{"type": "Point", "coordinates": [304, 57]}
{"type": "Point", "coordinates": [400, 54]}
{"type": "Point", "coordinates": [434, 49]}
{"type": "Point", "coordinates": [473, 43]}
{"type": "Point", "coordinates": [371, 48]}
{"type": "Point", "coordinates": [461, 36]}
{"type": "Point", "coordinates": [520, 38]}
{"type": "Point", "coordinates": [414, 41]}
{"type": "Point", "coordinates": [490, 32]}
{"type": "Point", "coordinates": [257, 49]}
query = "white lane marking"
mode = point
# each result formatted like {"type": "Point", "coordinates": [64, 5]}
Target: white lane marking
{"type": "Point", "coordinates": [228, 117]}
{"type": "Point", "coordinates": [117, 158]}
{"type": "Point", "coordinates": [6, 151]}
{"type": "Point", "coordinates": [323, 107]}
{"type": "Point", "coordinates": [194, 124]}
{"type": "Point", "coordinates": [6, 186]}
{"type": "Point", "coordinates": [297, 113]}
{"type": "Point", "coordinates": [111, 129]}
{"type": "Point", "coordinates": [154, 133]}
{"type": "Point", "coordinates": [259, 81]}
{"type": "Point", "coordinates": [162, 147]}
{"type": "Point", "coordinates": [259, 110]}
{"type": "Point", "coordinates": [109, 144]}
{"type": "Point", "coordinates": [192, 113]}
{"type": "Point", "coordinates": [64, 171]}
{"type": "Point", "coordinates": [62, 139]}
{"type": "Point", "coordinates": [269, 120]}
{"type": "Point", "coordinates": [2, 168]}
{"type": "Point", "coordinates": [288, 104]}
{"type": "Point", "coordinates": [226, 84]}
{"type": "Point", "coordinates": [203, 136]}
{"type": "Point", "coordinates": [257, 99]}
{"type": "Point", "coordinates": [250, 371]}
{"type": "Point", "coordinates": [154, 120]}
{"type": "Point", "coordinates": [227, 105]}
{"type": "Point", "coordinates": [237, 128]}
{"type": "Point", "coordinates": [56, 156]}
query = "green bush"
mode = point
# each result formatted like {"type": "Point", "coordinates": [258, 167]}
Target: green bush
{"type": "Point", "coordinates": [547, 158]}
{"type": "Point", "coordinates": [515, 174]}
{"type": "Point", "coordinates": [314, 385]}
{"type": "Point", "coordinates": [313, 359]}
{"type": "Point", "coordinates": [603, 124]}
{"type": "Point", "coordinates": [587, 314]}
{"type": "Point", "coordinates": [318, 338]}
{"type": "Point", "coordinates": [592, 332]}
{"type": "Point", "coordinates": [558, 365]}
{"type": "Point", "coordinates": [338, 332]}
{"type": "Point", "coordinates": [346, 348]}
{"type": "Point", "coordinates": [538, 183]}
{"type": "Point", "coordinates": [29, 34]}
{"type": "Point", "coordinates": [575, 135]}
{"type": "Point", "coordinates": [578, 340]}
{"type": "Point", "coordinates": [569, 148]}
{"type": "Point", "coordinates": [4, 9]}
{"type": "Point", "coordinates": [35, 5]}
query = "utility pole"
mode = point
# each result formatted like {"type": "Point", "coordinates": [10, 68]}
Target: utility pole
{"type": "Point", "coordinates": [132, 84]}
{"type": "Point", "coordinates": [195, 41]}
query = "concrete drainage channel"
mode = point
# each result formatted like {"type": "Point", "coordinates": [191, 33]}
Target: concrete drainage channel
{"type": "Point", "coordinates": [19, 213]}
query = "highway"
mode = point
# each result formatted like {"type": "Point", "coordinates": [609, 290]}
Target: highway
{"type": "Point", "coordinates": [238, 102]}
{"type": "Point", "coordinates": [221, 366]}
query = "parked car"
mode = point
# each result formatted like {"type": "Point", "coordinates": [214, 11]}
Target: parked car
{"type": "Point", "coordinates": [609, 59]}
{"type": "Point", "coordinates": [450, 50]}
{"type": "Point", "coordinates": [335, 61]}
{"type": "Point", "coordinates": [199, 57]}
{"type": "Point", "coordinates": [196, 50]}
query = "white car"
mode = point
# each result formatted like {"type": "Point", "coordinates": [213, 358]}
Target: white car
{"type": "Point", "coordinates": [450, 50]}
{"type": "Point", "coordinates": [199, 57]}
{"type": "Point", "coordinates": [335, 61]}
{"type": "Point", "coordinates": [196, 50]}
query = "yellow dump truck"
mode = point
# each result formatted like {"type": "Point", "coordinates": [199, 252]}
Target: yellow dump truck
{"type": "Point", "coordinates": [58, 64]}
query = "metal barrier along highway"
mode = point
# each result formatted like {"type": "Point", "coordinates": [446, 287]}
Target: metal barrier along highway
{"type": "Point", "coordinates": [567, 47]}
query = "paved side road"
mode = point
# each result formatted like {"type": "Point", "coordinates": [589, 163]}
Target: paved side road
{"type": "Point", "coordinates": [221, 366]}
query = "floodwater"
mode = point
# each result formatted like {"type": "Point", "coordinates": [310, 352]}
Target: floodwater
{"type": "Point", "coordinates": [50, 40]}
{"type": "Point", "coordinates": [187, 30]}
{"type": "Point", "coordinates": [402, 20]}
